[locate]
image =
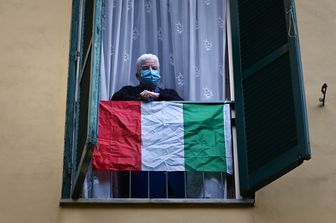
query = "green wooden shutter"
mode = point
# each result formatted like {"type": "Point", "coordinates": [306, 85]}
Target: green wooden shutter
{"type": "Point", "coordinates": [88, 94]}
{"type": "Point", "coordinates": [272, 130]}
{"type": "Point", "coordinates": [70, 109]}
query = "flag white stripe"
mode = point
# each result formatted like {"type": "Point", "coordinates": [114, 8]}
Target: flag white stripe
{"type": "Point", "coordinates": [228, 137]}
{"type": "Point", "coordinates": [162, 147]}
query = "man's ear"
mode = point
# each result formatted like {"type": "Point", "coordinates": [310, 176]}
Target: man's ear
{"type": "Point", "coordinates": [137, 75]}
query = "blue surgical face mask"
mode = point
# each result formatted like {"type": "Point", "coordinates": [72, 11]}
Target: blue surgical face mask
{"type": "Point", "coordinates": [150, 77]}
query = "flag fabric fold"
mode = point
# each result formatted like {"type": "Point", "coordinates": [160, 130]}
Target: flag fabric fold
{"type": "Point", "coordinates": [163, 136]}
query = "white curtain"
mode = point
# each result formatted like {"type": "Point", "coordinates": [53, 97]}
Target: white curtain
{"type": "Point", "coordinates": [189, 37]}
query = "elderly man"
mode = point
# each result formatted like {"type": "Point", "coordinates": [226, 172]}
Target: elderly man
{"type": "Point", "coordinates": [148, 74]}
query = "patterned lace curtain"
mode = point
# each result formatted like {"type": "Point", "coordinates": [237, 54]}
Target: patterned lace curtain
{"type": "Point", "coordinates": [187, 35]}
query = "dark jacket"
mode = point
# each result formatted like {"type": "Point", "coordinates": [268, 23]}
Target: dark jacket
{"type": "Point", "coordinates": [130, 93]}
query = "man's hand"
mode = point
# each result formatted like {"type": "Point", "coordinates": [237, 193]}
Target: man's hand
{"type": "Point", "coordinates": [149, 95]}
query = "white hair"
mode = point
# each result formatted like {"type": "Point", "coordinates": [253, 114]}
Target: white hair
{"type": "Point", "coordinates": [145, 57]}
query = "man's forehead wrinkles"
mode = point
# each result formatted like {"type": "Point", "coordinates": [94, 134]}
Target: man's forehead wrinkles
{"type": "Point", "coordinates": [150, 62]}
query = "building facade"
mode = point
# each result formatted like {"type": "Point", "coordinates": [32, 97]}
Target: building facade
{"type": "Point", "coordinates": [34, 60]}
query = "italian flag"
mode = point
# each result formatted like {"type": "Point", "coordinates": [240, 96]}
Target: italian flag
{"type": "Point", "coordinates": [163, 136]}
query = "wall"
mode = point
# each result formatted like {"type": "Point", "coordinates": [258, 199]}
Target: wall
{"type": "Point", "coordinates": [34, 46]}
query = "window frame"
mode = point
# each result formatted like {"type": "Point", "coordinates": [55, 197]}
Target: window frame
{"type": "Point", "coordinates": [69, 168]}
{"type": "Point", "coordinates": [71, 188]}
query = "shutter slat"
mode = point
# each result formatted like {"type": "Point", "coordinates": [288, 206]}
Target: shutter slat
{"type": "Point", "coordinates": [264, 29]}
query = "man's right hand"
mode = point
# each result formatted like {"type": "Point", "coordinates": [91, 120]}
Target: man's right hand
{"type": "Point", "coordinates": [149, 95]}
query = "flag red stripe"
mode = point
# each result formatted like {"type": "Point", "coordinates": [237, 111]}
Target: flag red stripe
{"type": "Point", "coordinates": [119, 136]}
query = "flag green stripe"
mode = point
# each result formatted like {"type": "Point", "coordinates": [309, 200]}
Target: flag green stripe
{"type": "Point", "coordinates": [204, 144]}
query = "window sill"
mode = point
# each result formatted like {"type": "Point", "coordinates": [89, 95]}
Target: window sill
{"type": "Point", "coordinates": [150, 202]}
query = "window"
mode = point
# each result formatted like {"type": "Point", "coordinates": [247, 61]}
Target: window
{"type": "Point", "coordinates": [271, 120]}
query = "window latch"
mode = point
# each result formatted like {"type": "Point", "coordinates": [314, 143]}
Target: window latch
{"type": "Point", "coordinates": [324, 92]}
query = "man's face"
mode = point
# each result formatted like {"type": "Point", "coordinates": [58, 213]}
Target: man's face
{"type": "Point", "coordinates": [149, 64]}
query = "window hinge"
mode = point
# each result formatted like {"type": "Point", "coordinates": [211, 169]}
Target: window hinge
{"type": "Point", "coordinates": [69, 168]}
{"type": "Point", "coordinates": [76, 55]}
